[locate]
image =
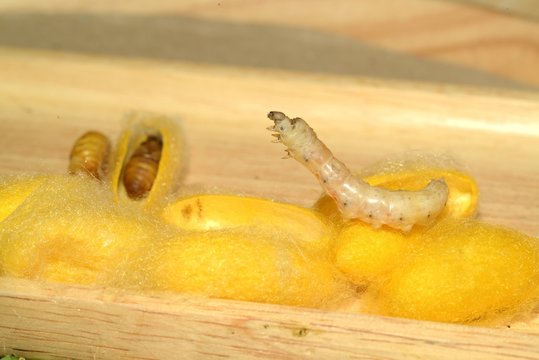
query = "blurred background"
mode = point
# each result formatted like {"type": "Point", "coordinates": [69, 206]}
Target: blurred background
{"type": "Point", "coordinates": [492, 43]}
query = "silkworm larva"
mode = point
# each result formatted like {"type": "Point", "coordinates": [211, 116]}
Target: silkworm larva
{"type": "Point", "coordinates": [355, 198]}
{"type": "Point", "coordinates": [141, 169]}
{"type": "Point", "coordinates": [89, 155]}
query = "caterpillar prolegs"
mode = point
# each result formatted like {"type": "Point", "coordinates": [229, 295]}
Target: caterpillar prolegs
{"type": "Point", "coordinates": [399, 209]}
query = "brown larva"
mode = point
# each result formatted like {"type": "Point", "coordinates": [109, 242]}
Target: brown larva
{"type": "Point", "coordinates": [89, 155]}
{"type": "Point", "coordinates": [141, 169]}
{"type": "Point", "coordinates": [355, 198]}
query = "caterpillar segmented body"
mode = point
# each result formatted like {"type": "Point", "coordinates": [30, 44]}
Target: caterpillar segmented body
{"type": "Point", "coordinates": [141, 169]}
{"type": "Point", "coordinates": [89, 155]}
{"type": "Point", "coordinates": [355, 198]}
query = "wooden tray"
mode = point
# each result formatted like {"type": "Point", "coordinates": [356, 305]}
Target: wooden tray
{"type": "Point", "coordinates": [47, 100]}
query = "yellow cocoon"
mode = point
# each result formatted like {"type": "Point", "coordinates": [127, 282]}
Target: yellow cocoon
{"type": "Point", "coordinates": [218, 212]}
{"type": "Point", "coordinates": [14, 190]}
{"type": "Point", "coordinates": [251, 249]}
{"type": "Point", "coordinates": [462, 271]}
{"type": "Point", "coordinates": [363, 253]}
{"type": "Point", "coordinates": [247, 265]}
{"type": "Point", "coordinates": [69, 230]}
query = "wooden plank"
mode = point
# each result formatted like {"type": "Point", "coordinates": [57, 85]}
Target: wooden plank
{"type": "Point", "coordinates": [48, 99]}
{"type": "Point", "coordinates": [527, 9]}
{"type": "Point", "coordinates": [57, 321]}
{"type": "Point", "coordinates": [223, 112]}
{"type": "Point", "coordinates": [443, 32]}
{"type": "Point", "coordinates": [213, 41]}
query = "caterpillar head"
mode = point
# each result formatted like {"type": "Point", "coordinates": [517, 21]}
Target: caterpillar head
{"type": "Point", "coordinates": [294, 133]}
{"type": "Point", "coordinates": [283, 124]}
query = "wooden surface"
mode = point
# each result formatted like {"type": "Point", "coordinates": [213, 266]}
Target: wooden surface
{"type": "Point", "coordinates": [528, 9]}
{"type": "Point", "coordinates": [54, 321]}
{"type": "Point", "coordinates": [52, 88]}
{"type": "Point", "coordinates": [426, 40]}
{"type": "Point", "coordinates": [47, 100]}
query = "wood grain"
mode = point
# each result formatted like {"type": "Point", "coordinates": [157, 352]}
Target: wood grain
{"type": "Point", "coordinates": [445, 32]}
{"type": "Point", "coordinates": [48, 99]}
{"type": "Point", "coordinates": [224, 116]}
{"type": "Point", "coordinates": [528, 9]}
{"type": "Point", "coordinates": [79, 323]}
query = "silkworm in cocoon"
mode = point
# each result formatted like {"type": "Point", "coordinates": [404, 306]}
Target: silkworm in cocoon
{"type": "Point", "coordinates": [247, 265]}
{"type": "Point", "coordinates": [218, 212]}
{"type": "Point", "coordinates": [462, 271]}
{"type": "Point", "coordinates": [148, 160]}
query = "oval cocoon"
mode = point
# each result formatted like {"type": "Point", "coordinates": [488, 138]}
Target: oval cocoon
{"type": "Point", "coordinates": [364, 254]}
{"type": "Point", "coordinates": [220, 212]}
{"type": "Point", "coordinates": [464, 271]}
{"type": "Point", "coordinates": [244, 265]}
{"type": "Point", "coordinates": [69, 230]}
